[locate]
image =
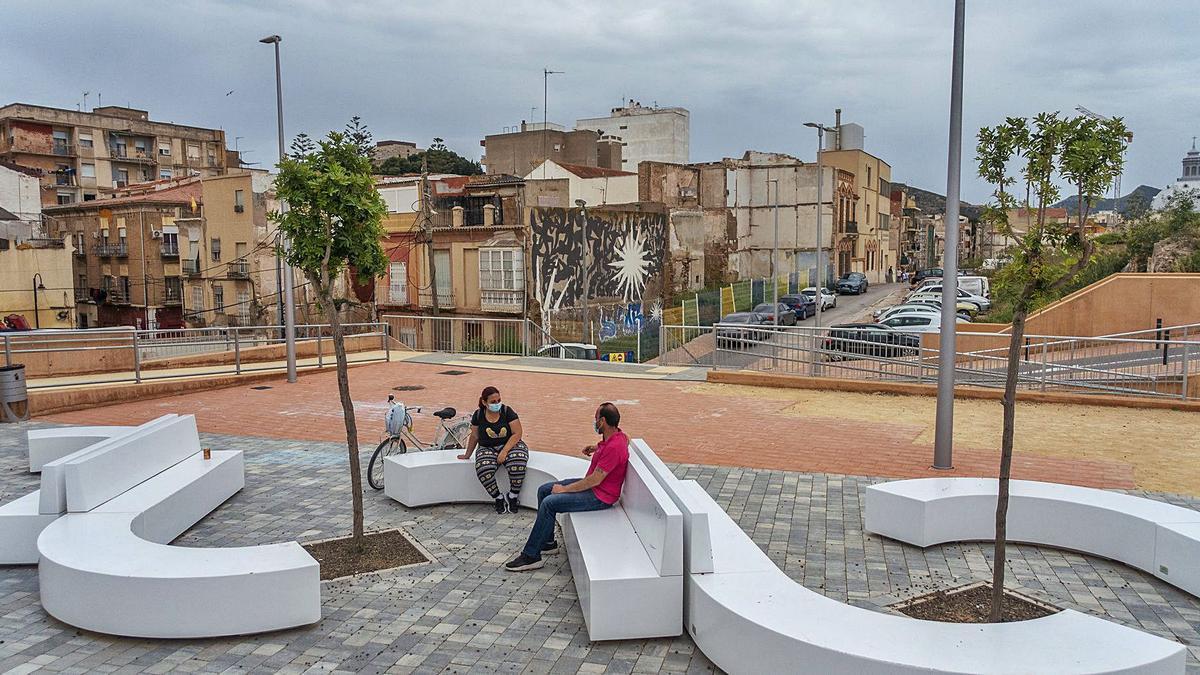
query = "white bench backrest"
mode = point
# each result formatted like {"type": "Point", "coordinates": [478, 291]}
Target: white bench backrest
{"type": "Point", "coordinates": [698, 558]}
{"type": "Point", "coordinates": [655, 518]}
{"type": "Point", "coordinates": [52, 498]}
{"type": "Point", "coordinates": [106, 470]}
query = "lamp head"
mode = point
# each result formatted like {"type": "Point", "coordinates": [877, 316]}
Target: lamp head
{"type": "Point", "coordinates": [271, 39]}
{"type": "Point", "coordinates": [813, 125]}
{"type": "Point", "coordinates": [580, 203]}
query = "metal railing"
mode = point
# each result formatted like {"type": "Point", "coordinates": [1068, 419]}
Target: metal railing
{"type": "Point", "coordinates": [239, 269]}
{"type": "Point", "coordinates": [109, 250]}
{"type": "Point", "coordinates": [471, 335]}
{"type": "Point", "coordinates": [1165, 367]}
{"type": "Point", "coordinates": [141, 355]}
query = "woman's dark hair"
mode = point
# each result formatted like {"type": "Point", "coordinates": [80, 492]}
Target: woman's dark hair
{"type": "Point", "coordinates": [610, 414]}
{"type": "Point", "coordinates": [487, 393]}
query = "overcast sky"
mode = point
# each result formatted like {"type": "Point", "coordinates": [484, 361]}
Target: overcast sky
{"type": "Point", "coordinates": [749, 72]}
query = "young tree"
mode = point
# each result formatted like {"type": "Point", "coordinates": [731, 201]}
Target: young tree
{"type": "Point", "coordinates": [333, 225]}
{"type": "Point", "coordinates": [1085, 153]}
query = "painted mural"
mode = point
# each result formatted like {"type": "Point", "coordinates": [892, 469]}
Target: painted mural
{"type": "Point", "coordinates": [627, 252]}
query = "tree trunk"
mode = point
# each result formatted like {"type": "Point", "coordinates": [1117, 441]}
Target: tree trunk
{"type": "Point", "coordinates": [343, 380]}
{"type": "Point", "coordinates": [1006, 447]}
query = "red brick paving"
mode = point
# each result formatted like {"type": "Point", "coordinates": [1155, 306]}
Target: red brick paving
{"type": "Point", "coordinates": [680, 423]}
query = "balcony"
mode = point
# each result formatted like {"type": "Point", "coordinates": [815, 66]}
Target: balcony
{"type": "Point", "coordinates": [170, 249]}
{"type": "Point", "coordinates": [83, 295]}
{"type": "Point", "coordinates": [111, 250]}
{"type": "Point", "coordinates": [172, 297]}
{"type": "Point", "coordinates": [191, 267]}
{"type": "Point", "coordinates": [445, 299]}
{"type": "Point", "coordinates": [239, 269]}
{"type": "Point", "coordinates": [505, 301]}
{"type": "Point", "coordinates": [118, 296]}
{"type": "Point", "coordinates": [63, 149]}
{"type": "Point", "coordinates": [120, 154]}
{"type": "Point", "coordinates": [850, 228]}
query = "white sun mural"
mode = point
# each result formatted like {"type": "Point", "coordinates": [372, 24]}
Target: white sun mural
{"type": "Point", "coordinates": [632, 265]}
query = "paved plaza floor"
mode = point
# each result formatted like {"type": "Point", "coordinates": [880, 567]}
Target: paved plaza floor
{"type": "Point", "coordinates": [462, 613]}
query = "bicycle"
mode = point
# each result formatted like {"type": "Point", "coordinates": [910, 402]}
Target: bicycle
{"type": "Point", "coordinates": [451, 435]}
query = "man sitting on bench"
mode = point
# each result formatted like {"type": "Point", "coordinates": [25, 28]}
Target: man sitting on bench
{"type": "Point", "coordinates": [599, 489]}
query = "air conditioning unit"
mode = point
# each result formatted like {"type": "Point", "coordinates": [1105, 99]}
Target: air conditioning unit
{"type": "Point", "coordinates": [156, 234]}
{"type": "Point", "coordinates": [95, 235]}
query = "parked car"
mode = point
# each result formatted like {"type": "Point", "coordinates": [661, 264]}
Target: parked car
{"type": "Point", "coordinates": [962, 308]}
{"type": "Point", "coordinates": [848, 340]}
{"type": "Point", "coordinates": [963, 295]}
{"type": "Point", "coordinates": [910, 308]}
{"type": "Point", "coordinates": [918, 322]}
{"type": "Point", "coordinates": [739, 329]}
{"type": "Point", "coordinates": [922, 275]}
{"type": "Point", "coordinates": [787, 317]}
{"type": "Point", "coordinates": [828, 297]}
{"type": "Point", "coordinates": [570, 350]}
{"type": "Point", "coordinates": [803, 305]}
{"type": "Point", "coordinates": [852, 282]}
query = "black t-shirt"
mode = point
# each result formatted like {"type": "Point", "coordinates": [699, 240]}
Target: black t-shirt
{"type": "Point", "coordinates": [494, 434]}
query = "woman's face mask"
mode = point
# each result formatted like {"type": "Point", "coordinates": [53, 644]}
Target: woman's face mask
{"type": "Point", "coordinates": [495, 407]}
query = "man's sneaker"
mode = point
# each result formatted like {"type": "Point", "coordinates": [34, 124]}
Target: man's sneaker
{"type": "Point", "coordinates": [550, 548]}
{"type": "Point", "coordinates": [500, 505]}
{"type": "Point", "coordinates": [523, 563]}
{"type": "Point", "coordinates": [514, 503]}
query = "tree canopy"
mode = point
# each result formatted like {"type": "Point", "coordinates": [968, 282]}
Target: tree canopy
{"type": "Point", "coordinates": [441, 160]}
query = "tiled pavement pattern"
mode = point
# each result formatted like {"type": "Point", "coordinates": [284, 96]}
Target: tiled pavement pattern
{"type": "Point", "coordinates": [463, 614]}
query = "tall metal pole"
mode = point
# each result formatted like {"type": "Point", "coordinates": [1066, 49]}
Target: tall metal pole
{"type": "Point", "coordinates": [943, 446]}
{"type": "Point", "coordinates": [37, 315]}
{"type": "Point", "coordinates": [820, 207]}
{"type": "Point", "coordinates": [775, 258]}
{"type": "Point", "coordinates": [546, 73]}
{"type": "Point", "coordinates": [587, 273]}
{"type": "Point", "coordinates": [289, 300]}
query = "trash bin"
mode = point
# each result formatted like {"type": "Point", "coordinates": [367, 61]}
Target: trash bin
{"type": "Point", "coordinates": [14, 400]}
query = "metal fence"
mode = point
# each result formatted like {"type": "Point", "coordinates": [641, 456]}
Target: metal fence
{"type": "Point", "coordinates": [472, 335]}
{"type": "Point", "coordinates": [1158, 363]}
{"type": "Point", "coordinates": [146, 354]}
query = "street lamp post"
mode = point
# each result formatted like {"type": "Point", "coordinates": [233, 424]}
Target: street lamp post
{"type": "Point", "coordinates": [587, 278]}
{"type": "Point", "coordinates": [943, 445]}
{"type": "Point", "coordinates": [775, 259]}
{"type": "Point", "coordinates": [820, 286]}
{"type": "Point", "coordinates": [37, 286]}
{"type": "Point", "coordinates": [289, 319]}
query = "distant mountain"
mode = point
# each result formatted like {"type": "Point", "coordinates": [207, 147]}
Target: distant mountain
{"type": "Point", "coordinates": [1143, 193]}
{"type": "Point", "coordinates": [931, 202]}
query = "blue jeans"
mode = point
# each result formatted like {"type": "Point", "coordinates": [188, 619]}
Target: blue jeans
{"type": "Point", "coordinates": [550, 505]}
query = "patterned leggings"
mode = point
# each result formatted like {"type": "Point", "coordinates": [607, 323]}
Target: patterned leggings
{"type": "Point", "coordinates": [486, 467]}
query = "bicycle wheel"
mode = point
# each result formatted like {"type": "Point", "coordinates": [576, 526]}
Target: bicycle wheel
{"type": "Point", "coordinates": [393, 445]}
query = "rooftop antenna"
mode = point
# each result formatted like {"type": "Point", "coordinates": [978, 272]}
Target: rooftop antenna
{"type": "Point", "coordinates": [99, 100]}
{"type": "Point", "coordinates": [85, 95]}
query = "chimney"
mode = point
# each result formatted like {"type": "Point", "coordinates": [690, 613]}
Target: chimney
{"type": "Point", "coordinates": [522, 126]}
{"type": "Point", "coordinates": [837, 123]}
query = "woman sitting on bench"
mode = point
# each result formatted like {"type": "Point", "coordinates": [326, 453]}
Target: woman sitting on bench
{"type": "Point", "coordinates": [496, 441]}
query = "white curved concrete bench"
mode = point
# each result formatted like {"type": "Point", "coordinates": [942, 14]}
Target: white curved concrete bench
{"type": "Point", "coordinates": [47, 445]}
{"type": "Point", "coordinates": [627, 561]}
{"type": "Point", "coordinates": [747, 616]}
{"type": "Point", "coordinates": [109, 570]}
{"type": "Point", "coordinates": [1158, 538]}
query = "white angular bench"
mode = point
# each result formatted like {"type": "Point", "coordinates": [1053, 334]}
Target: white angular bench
{"type": "Point", "coordinates": [627, 561]}
{"type": "Point", "coordinates": [1155, 537]}
{"type": "Point", "coordinates": [110, 570]}
{"type": "Point", "coordinates": [748, 616]}
{"type": "Point", "coordinates": [98, 529]}
{"type": "Point", "coordinates": [47, 445]}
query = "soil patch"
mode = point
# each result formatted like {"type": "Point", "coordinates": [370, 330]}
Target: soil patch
{"type": "Point", "coordinates": [380, 551]}
{"type": "Point", "coordinates": [972, 604]}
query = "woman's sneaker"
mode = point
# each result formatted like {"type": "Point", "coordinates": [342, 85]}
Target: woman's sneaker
{"type": "Point", "coordinates": [550, 548]}
{"type": "Point", "coordinates": [523, 563]}
{"type": "Point", "coordinates": [500, 505]}
{"type": "Point", "coordinates": [514, 503]}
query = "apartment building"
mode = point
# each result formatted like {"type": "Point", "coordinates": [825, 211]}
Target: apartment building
{"type": "Point", "coordinates": [170, 254]}
{"type": "Point", "coordinates": [517, 151]}
{"type": "Point", "coordinates": [84, 156]}
{"type": "Point", "coordinates": [647, 133]}
{"type": "Point", "coordinates": [594, 185]}
{"type": "Point", "coordinates": [867, 245]}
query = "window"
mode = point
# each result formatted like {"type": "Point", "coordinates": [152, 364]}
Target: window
{"type": "Point", "coordinates": [218, 296]}
{"type": "Point", "coordinates": [85, 139]}
{"type": "Point", "coordinates": [239, 201]}
{"type": "Point", "coordinates": [193, 151]}
{"type": "Point", "coordinates": [122, 177]}
{"type": "Point", "coordinates": [121, 149]}
{"type": "Point", "coordinates": [197, 299]}
{"type": "Point", "coordinates": [398, 283]}
{"type": "Point", "coordinates": [441, 264]}
{"type": "Point", "coordinates": [173, 290]}
{"type": "Point", "coordinates": [62, 174]}
{"type": "Point", "coordinates": [81, 286]}
{"type": "Point", "coordinates": [164, 174]}
{"type": "Point", "coordinates": [170, 243]}
{"type": "Point", "coordinates": [557, 147]}
{"type": "Point", "coordinates": [78, 242]}
{"type": "Point", "coordinates": [139, 147]}
{"type": "Point", "coordinates": [868, 177]}
{"type": "Point", "coordinates": [244, 307]}
{"type": "Point", "coordinates": [501, 269]}
{"type": "Point", "coordinates": [89, 196]}
{"type": "Point", "coordinates": [164, 148]}
{"type": "Point", "coordinates": [66, 198]}
{"type": "Point", "coordinates": [215, 250]}
{"type": "Point", "coordinates": [124, 288]}
{"type": "Point", "coordinates": [87, 170]}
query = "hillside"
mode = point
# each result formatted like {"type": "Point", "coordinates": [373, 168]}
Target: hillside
{"type": "Point", "coordinates": [931, 202]}
{"type": "Point", "coordinates": [1143, 193]}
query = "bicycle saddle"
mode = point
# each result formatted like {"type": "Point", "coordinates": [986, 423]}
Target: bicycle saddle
{"type": "Point", "coordinates": [446, 413]}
